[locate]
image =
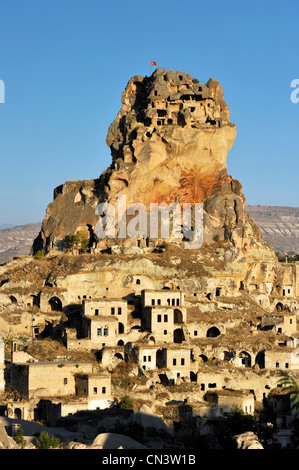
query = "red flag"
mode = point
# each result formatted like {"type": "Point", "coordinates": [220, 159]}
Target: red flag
{"type": "Point", "coordinates": [153, 63]}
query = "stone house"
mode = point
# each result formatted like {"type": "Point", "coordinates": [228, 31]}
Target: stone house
{"type": "Point", "coordinates": [164, 314]}
{"type": "Point", "coordinates": [227, 399]}
{"type": "Point", "coordinates": [102, 331]}
{"type": "Point", "coordinates": [105, 307]}
{"type": "Point", "coordinates": [176, 360]}
{"type": "Point", "coordinates": [104, 323]}
{"type": "Point", "coordinates": [47, 379]}
{"type": "Point", "coordinates": [282, 358]}
{"type": "Point", "coordinates": [146, 356]}
{"type": "Point", "coordinates": [162, 298]}
{"type": "Point", "coordinates": [283, 323]}
{"type": "Point", "coordinates": [96, 388]}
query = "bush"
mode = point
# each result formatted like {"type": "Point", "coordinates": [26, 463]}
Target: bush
{"type": "Point", "coordinates": [47, 442]}
{"type": "Point", "coordinates": [79, 241]}
{"type": "Point", "coordinates": [19, 439]}
{"type": "Point", "coordinates": [126, 403]}
{"type": "Point", "coordinates": [39, 254]}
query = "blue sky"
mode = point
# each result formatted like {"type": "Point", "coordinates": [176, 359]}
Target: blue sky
{"type": "Point", "coordinates": [65, 64]}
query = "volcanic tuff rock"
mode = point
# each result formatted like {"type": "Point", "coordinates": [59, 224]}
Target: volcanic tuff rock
{"type": "Point", "coordinates": [169, 143]}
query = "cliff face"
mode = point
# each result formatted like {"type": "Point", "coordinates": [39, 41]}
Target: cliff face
{"type": "Point", "coordinates": [174, 131]}
{"type": "Point", "coordinates": [169, 143]}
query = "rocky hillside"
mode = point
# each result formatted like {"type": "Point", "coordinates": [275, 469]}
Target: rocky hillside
{"type": "Point", "coordinates": [17, 241]}
{"type": "Point", "coordinates": [279, 226]}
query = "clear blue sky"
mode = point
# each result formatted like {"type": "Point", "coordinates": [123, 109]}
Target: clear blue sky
{"type": "Point", "coordinates": [65, 64]}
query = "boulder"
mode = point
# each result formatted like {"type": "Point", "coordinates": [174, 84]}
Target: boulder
{"type": "Point", "coordinates": [247, 440]}
{"type": "Point", "coordinates": [147, 419]}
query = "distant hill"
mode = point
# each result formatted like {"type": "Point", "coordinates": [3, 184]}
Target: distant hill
{"type": "Point", "coordinates": [17, 240]}
{"type": "Point", "coordinates": [279, 226]}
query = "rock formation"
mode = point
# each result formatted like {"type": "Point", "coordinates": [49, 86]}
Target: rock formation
{"type": "Point", "coordinates": [169, 143]}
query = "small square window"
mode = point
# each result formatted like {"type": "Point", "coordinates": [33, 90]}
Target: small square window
{"type": "Point", "coordinates": [103, 390]}
{"type": "Point", "coordinates": [112, 310]}
{"type": "Point", "coordinates": [95, 390]}
{"type": "Point", "coordinates": [65, 381]}
{"type": "Point", "coordinates": [119, 311]}
{"type": "Point", "coordinates": [159, 318]}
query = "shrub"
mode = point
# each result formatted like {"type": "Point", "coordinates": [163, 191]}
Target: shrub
{"type": "Point", "coordinates": [126, 403]}
{"type": "Point", "coordinates": [39, 254]}
{"type": "Point", "coordinates": [19, 439]}
{"type": "Point", "coordinates": [44, 441]}
{"type": "Point", "coordinates": [79, 241]}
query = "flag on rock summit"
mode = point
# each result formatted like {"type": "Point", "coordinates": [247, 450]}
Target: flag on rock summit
{"type": "Point", "coordinates": [153, 63]}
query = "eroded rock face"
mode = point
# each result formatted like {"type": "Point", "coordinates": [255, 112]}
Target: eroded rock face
{"type": "Point", "coordinates": [176, 132]}
{"type": "Point", "coordinates": [248, 440]}
{"type": "Point", "coordinates": [169, 143]}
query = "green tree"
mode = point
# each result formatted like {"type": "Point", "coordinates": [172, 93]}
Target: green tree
{"type": "Point", "coordinates": [19, 439]}
{"type": "Point", "coordinates": [78, 241]}
{"type": "Point", "coordinates": [39, 254]}
{"type": "Point", "coordinates": [126, 403]}
{"type": "Point", "coordinates": [44, 441]}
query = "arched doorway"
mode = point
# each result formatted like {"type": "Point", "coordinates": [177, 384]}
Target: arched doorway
{"type": "Point", "coordinates": [193, 376]}
{"type": "Point", "coordinates": [119, 356]}
{"type": "Point", "coordinates": [55, 304]}
{"type": "Point", "coordinates": [279, 307]}
{"type": "Point", "coordinates": [32, 300]}
{"type": "Point", "coordinates": [244, 359]}
{"type": "Point", "coordinates": [160, 359]}
{"type": "Point", "coordinates": [228, 355]}
{"type": "Point", "coordinates": [120, 343]}
{"type": "Point", "coordinates": [177, 316]}
{"type": "Point", "coordinates": [178, 336]}
{"type": "Point", "coordinates": [213, 332]}
{"type": "Point", "coordinates": [260, 359]}
{"type": "Point", "coordinates": [121, 328]}
{"type": "Point", "coordinates": [13, 299]}
{"type": "Point", "coordinates": [203, 358]}
{"type": "Point", "coordinates": [18, 413]}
